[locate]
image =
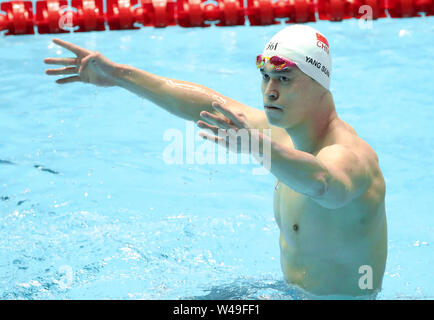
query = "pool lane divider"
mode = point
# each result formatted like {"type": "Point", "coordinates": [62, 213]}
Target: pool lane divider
{"type": "Point", "coordinates": [56, 16]}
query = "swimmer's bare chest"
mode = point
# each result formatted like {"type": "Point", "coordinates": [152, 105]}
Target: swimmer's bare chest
{"type": "Point", "coordinates": [306, 226]}
{"type": "Point", "coordinates": [320, 246]}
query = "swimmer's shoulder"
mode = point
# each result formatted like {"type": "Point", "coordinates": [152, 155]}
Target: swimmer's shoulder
{"type": "Point", "coordinates": [360, 146]}
{"type": "Point", "coordinates": [347, 136]}
{"type": "Point", "coordinates": [344, 134]}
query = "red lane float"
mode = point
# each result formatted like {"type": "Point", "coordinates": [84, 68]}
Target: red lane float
{"type": "Point", "coordinates": [260, 12]}
{"type": "Point", "coordinates": [265, 12]}
{"type": "Point", "coordinates": [410, 8]}
{"type": "Point", "coordinates": [196, 13]}
{"type": "Point", "coordinates": [49, 16]}
{"type": "Point", "coordinates": [89, 16]}
{"type": "Point", "coordinates": [18, 18]}
{"type": "Point", "coordinates": [158, 13]}
{"type": "Point", "coordinates": [338, 10]}
{"type": "Point", "coordinates": [55, 16]}
{"type": "Point", "coordinates": [121, 14]}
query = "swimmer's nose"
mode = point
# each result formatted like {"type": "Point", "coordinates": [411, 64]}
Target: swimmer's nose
{"type": "Point", "coordinates": [270, 90]}
{"type": "Point", "coordinates": [272, 95]}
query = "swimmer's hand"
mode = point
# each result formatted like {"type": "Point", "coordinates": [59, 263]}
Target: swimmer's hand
{"type": "Point", "coordinates": [88, 66]}
{"type": "Point", "coordinates": [231, 126]}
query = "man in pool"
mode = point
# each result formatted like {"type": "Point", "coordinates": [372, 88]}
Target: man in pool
{"type": "Point", "coordinates": [329, 194]}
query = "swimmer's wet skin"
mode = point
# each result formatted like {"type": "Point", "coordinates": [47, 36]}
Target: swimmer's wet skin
{"type": "Point", "coordinates": [329, 193]}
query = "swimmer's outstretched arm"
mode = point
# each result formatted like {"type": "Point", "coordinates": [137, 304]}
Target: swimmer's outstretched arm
{"type": "Point", "coordinates": [184, 99]}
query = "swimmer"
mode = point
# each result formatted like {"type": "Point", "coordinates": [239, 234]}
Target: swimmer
{"type": "Point", "coordinates": [329, 192]}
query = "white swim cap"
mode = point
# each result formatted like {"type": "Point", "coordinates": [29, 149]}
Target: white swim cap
{"type": "Point", "coordinates": [306, 47]}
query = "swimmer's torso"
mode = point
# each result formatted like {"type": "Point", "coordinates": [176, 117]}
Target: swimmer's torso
{"type": "Point", "coordinates": [322, 249]}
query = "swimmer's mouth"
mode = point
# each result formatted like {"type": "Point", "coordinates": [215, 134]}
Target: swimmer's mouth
{"type": "Point", "coordinates": [273, 107]}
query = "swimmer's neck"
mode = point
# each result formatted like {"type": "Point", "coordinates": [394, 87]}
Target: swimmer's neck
{"type": "Point", "coordinates": [308, 134]}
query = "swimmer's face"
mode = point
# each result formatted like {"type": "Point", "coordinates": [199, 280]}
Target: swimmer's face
{"type": "Point", "coordinates": [293, 93]}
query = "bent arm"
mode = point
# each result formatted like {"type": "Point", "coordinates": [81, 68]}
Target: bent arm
{"type": "Point", "coordinates": [332, 178]}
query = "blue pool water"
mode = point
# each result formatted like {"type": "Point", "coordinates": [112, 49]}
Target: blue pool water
{"type": "Point", "coordinates": [89, 209]}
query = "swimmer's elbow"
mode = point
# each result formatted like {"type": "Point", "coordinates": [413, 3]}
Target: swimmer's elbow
{"type": "Point", "coordinates": [326, 198]}
{"type": "Point", "coordinates": [335, 193]}
{"type": "Point", "coordinates": [344, 177]}
{"type": "Point", "coordinates": [320, 187]}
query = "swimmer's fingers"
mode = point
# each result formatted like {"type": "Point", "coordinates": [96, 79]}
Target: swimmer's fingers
{"type": "Point", "coordinates": [237, 119]}
{"type": "Point", "coordinates": [62, 61]}
{"type": "Point", "coordinates": [71, 47]}
{"type": "Point", "coordinates": [62, 71]}
{"type": "Point", "coordinates": [213, 138]}
{"type": "Point", "coordinates": [221, 139]}
{"type": "Point", "coordinates": [216, 120]}
{"type": "Point", "coordinates": [69, 80]}
{"type": "Point", "coordinates": [204, 125]}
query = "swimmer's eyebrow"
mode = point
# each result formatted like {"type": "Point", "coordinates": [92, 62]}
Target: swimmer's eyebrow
{"type": "Point", "coordinates": [285, 71]}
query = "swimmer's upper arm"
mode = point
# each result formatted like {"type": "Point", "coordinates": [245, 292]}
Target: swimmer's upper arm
{"type": "Point", "coordinates": [346, 176]}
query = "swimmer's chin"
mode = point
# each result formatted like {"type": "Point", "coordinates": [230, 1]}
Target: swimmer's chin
{"type": "Point", "coordinates": [276, 118]}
